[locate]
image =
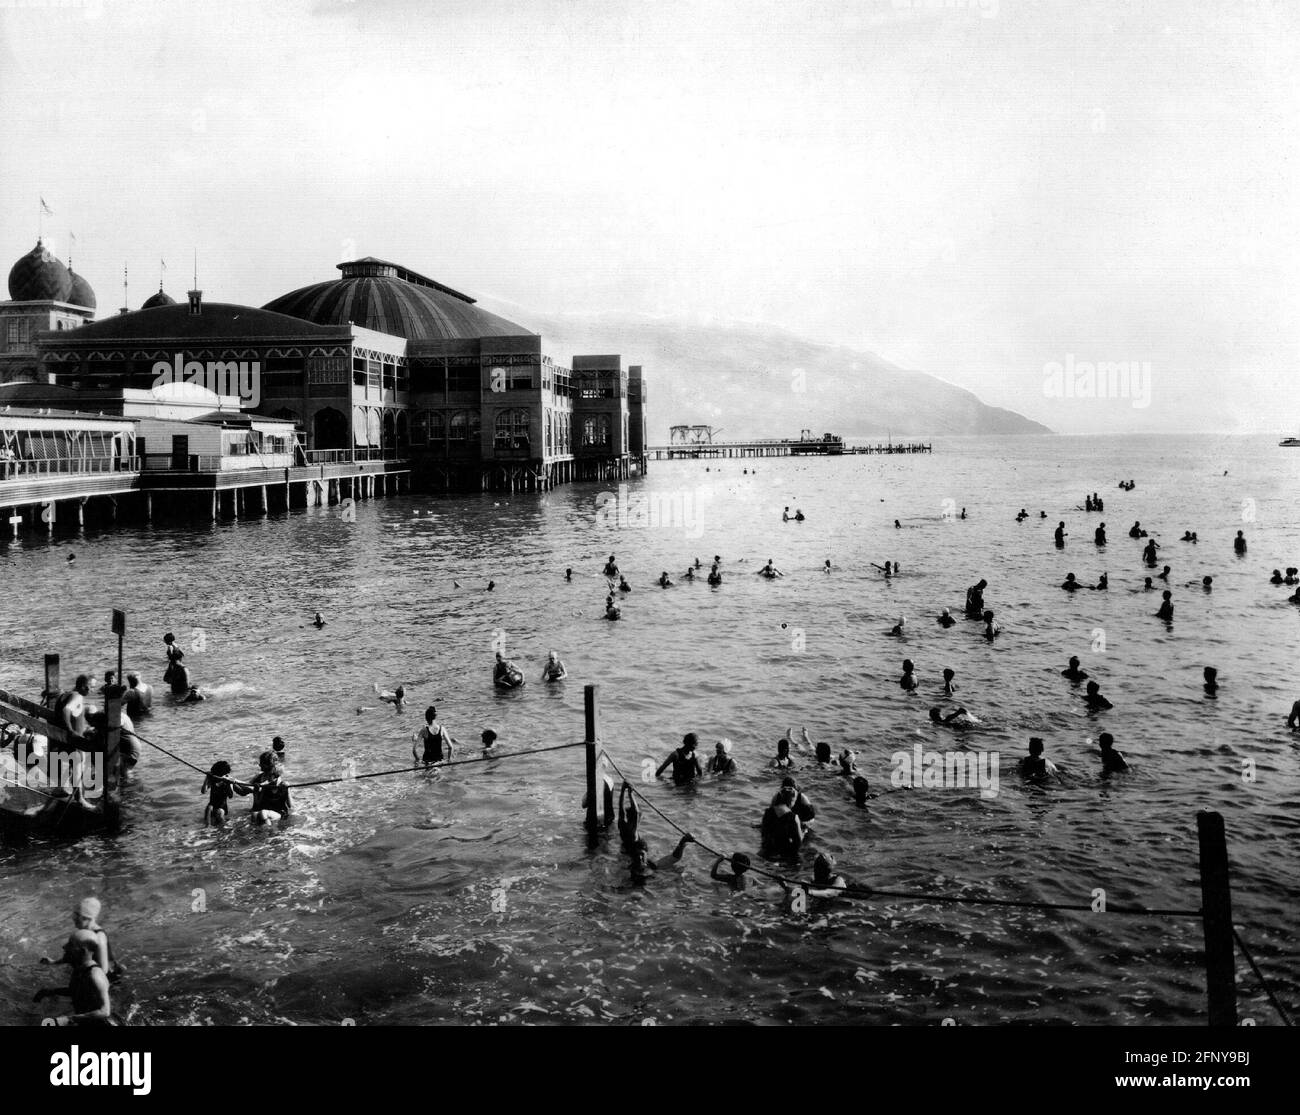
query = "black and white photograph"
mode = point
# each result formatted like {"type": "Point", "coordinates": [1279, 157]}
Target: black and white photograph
{"type": "Point", "coordinates": [559, 515]}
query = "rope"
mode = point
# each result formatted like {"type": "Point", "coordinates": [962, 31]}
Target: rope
{"type": "Point", "coordinates": [1286, 1018]}
{"type": "Point", "coordinates": [852, 891]}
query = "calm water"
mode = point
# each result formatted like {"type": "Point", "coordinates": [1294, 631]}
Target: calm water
{"type": "Point", "coordinates": [376, 903]}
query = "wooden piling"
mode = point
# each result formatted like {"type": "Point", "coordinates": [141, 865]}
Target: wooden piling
{"type": "Point", "coordinates": [589, 706]}
{"type": "Point", "coordinates": [51, 693]}
{"type": "Point", "coordinates": [1216, 920]}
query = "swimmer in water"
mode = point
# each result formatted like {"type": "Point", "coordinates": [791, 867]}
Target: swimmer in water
{"type": "Point", "coordinates": [491, 585]}
{"type": "Point", "coordinates": [1073, 672]}
{"type": "Point", "coordinates": [664, 580]}
{"type": "Point", "coordinates": [715, 578]}
{"type": "Point", "coordinates": [1094, 700]}
{"type": "Point", "coordinates": [277, 749]}
{"type": "Point", "coordinates": [396, 698]}
{"type": "Point", "coordinates": [1148, 585]}
{"type": "Point", "coordinates": [949, 686]}
{"type": "Point", "coordinates": [642, 864]}
{"type": "Point", "coordinates": [611, 568]}
{"type": "Point", "coordinates": [1293, 720]}
{"type": "Point", "coordinates": [822, 753]}
{"type": "Point", "coordinates": [991, 629]}
{"type": "Point", "coordinates": [946, 620]}
{"type": "Point", "coordinates": [568, 574]}
{"type": "Point", "coordinates": [178, 674]}
{"type": "Point", "coordinates": [908, 680]}
{"type": "Point", "coordinates": [963, 512]}
{"type": "Point", "coordinates": [88, 986]}
{"type": "Point", "coordinates": [897, 629]}
{"type": "Point", "coordinates": [1276, 579]}
{"type": "Point", "coordinates": [848, 760]}
{"type": "Point", "coordinates": [769, 571]}
{"type": "Point", "coordinates": [1071, 585]}
{"type": "Point", "coordinates": [1061, 535]}
{"type": "Point", "coordinates": [1164, 573]}
{"type": "Point", "coordinates": [554, 669]}
{"type": "Point", "coordinates": [690, 573]}
{"type": "Point", "coordinates": [505, 674]}
{"type": "Point", "coordinates": [785, 515]}
{"type": "Point", "coordinates": [975, 599]}
{"type": "Point", "coordinates": [1239, 544]}
{"type": "Point", "coordinates": [783, 761]}
{"type": "Point", "coordinates": [798, 516]}
{"type": "Point", "coordinates": [827, 567]}
{"type": "Point", "coordinates": [272, 800]}
{"type": "Point", "coordinates": [1166, 611]}
{"type": "Point", "coordinates": [1211, 676]}
{"type": "Point", "coordinates": [318, 621]}
{"type": "Point", "coordinates": [722, 762]}
{"type": "Point", "coordinates": [1291, 575]}
{"type": "Point", "coordinates": [623, 586]}
{"type": "Point", "coordinates": [193, 696]}
{"type": "Point", "coordinates": [628, 819]}
{"type": "Point", "coordinates": [1103, 583]}
{"type": "Point", "coordinates": [959, 719]}
{"type": "Point", "coordinates": [1035, 767]}
{"type": "Point", "coordinates": [898, 525]}
{"type": "Point", "coordinates": [432, 744]}
{"type": "Point", "coordinates": [1099, 535]}
{"type": "Point", "coordinates": [1149, 553]}
{"type": "Point", "coordinates": [1136, 531]}
{"type": "Point", "coordinates": [861, 789]}
{"type": "Point", "coordinates": [489, 740]}
{"type": "Point", "coordinates": [737, 880]}
{"type": "Point", "coordinates": [1112, 760]}
{"type": "Point", "coordinates": [684, 761]}
{"type": "Point", "coordinates": [612, 610]}
{"type": "Point", "coordinates": [217, 785]}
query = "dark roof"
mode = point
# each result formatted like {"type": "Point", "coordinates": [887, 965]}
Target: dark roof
{"type": "Point", "coordinates": [39, 277]}
{"type": "Point", "coordinates": [389, 298]}
{"type": "Point", "coordinates": [80, 293]}
{"type": "Point", "coordinates": [219, 320]}
{"type": "Point", "coordinates": [34, 394]}
{"type": "Point", "coordinates": [162, 298]}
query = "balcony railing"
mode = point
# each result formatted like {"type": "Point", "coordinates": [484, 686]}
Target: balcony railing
{"type": "Point", "coordinates": [16, 468]}
{"type": "Point", "coordinates": [350, 456]}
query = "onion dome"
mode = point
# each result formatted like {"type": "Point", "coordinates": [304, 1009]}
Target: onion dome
{"type": "Point", "coordinates": [390, 298]}
{"type": "Point", "coordinates": [80, 294]}
{"type": "Point", "coordinates": [159, 299]}
{"type": "Point", "coordinates": [39, 277]}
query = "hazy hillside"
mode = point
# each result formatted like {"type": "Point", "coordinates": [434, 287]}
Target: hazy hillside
{"type": "Point", "coordinates": [760, 381]}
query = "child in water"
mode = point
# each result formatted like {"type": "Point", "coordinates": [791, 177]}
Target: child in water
{"type": "Point", "coordinates": [218, 787]}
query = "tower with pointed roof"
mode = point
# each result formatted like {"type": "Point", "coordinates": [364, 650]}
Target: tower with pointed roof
{"type": "Point", "coordinates": [44, 295]}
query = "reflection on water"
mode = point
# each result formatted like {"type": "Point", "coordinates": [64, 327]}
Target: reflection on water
{"type": "Point", "coordinates": [468, 895]}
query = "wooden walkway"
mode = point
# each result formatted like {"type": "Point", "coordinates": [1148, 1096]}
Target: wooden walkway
{"type": "Point", "coordinates": [778, 447]}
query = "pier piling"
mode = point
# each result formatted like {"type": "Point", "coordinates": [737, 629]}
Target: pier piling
{"type": "Point", "coordinates": [1216, 920]}
{"type": "Point", "coordinates": [590, 709]}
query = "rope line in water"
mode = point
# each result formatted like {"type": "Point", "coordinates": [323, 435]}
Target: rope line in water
{"type": "Point", "coordinates": [1277, 1006]}
{"type": "Point", "coordinates": [852, 891]}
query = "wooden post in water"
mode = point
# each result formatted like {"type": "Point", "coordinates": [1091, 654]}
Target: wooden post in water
{"type": "Point", "coordinates": [589, 705]}
{"type": "Point", "coordinates": [51, 693]}
{"type": "Point", "coordinates": [112, 755]}
{"type": "Point", "coordinates": [119, 629]}
{"type": "Point", "coordinates": [1216, 920]}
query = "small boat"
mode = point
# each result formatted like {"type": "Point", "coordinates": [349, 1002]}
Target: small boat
{"type": "Point", "coordinates": [1290, 443]}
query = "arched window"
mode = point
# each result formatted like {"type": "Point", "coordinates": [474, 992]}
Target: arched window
{"type": "Point", "coordinates": [420, 427]}
{"type": "Point", "coordinates": [550, 433]}
{"type": "Point", "coordinates": [595, 430]}
{"type": "Point", "coordinates": [511, 431]}
{"type": "Point", "coordinates": [459, 426]}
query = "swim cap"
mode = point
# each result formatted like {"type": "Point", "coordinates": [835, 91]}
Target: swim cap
{"type": "Point", "coordinates": [725, 744]}
{"type": "Point", "coordinates": [690, 740]}
{"type": "Point", "coordinates": [89, 908]}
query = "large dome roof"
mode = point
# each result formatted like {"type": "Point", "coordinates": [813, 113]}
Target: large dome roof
{"type": "Point", "coordinates": [389, 298]}
{"type": "Point", "coordinates": [39, 277]}
{"type": "Point", "coordinates": [80, 293]}
{"type": "Point", "coordinates": [162, 298]}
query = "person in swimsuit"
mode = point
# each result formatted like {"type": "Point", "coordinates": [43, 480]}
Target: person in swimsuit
{"type": "Point", "coordinates": [1099, 535]}
{"type": "Point", "coordinates": [949, 685]}
{"type": "Point", "coordinates": [1149, 552]}
{"type": "Point", "coordinates": [86, 917]}
{"type": "Point", "coordinates": [1035, 767]}
{"type": "Point", "coordinates": [959, 719]}
{"type": "Point", "coordinates": [991, 630]}
{"type": "Point", "coordinates": [642, 864]}
{"type": "Point", "coordinates": [173, 654]}
{"type": "Point", "coordinates": [770, 571]}
{"type": "Point", "coordinates": [179, 674]}
{"type": "Point", "coordinates": [1164, 573]}
{"type": "Point", "coordinates": [139, 697]}
{"type": "Point", "coordinates": [623, 586]}
{"type": "Point", "coordinates": [722, 762]}
{"type": "Point", "coordinates": [737, 879]}
{"type": "Point", "coordinates": [612, 610]}
{"type": "Point", "coordinates": [505, 674]}
{"type": "Point", "coordinates": [897, 629]}
{"type": "Point", "coordinates": [1166, 611]}
{"type": "Point", "coordinates": [629, 818]}
{"type": "Point", "coordinates": [782, 760]}
{"type": "Point", "coordinates": [218, 787]}
{"type": "Point", "coordinates": [88, 987]}
{"type": "Point", "coordinates": [70, 707]}
{"type": "Point", "coordinates": [489, 740]}
{"type": "Point", "coordinates": [783, 831]}
{"type": "Point", "coordinates": [1112, 760]}
{"type": "Point", "coordinates": [715, 578]}
{"type": "Point", "coordinates": [908, 680]}
{"type": "Point", "coordinates": [975, 599]}
{"type": "Point", "coordinates": [861, 790]}
{"type": "Point", "coordinates": [1073, 672]}
{"type": "Point", "coordinates": [664, 580]}
{"type": "Point", "coordinates": [1239, 544]}
{"type": "Point", "coordinates": [611, 568]}
{"type": "Point", "coordinates": [432, 742]}
{"type": "Point", "coordinates": [1094, 700]}
{"type": "Point", "coordinates": [272, 800]}
{"type": "Point", "coordinates": [1060, 535]}
{"type": "Point", "coordinates": [785, 515]}
{"type": "Point", "coordinates": [396, 698]}
{"type": "Point", "coordinates": [568, 574]}
{"type": "Point", "coordinates": [1211, 676]}
{"type": "Point", "coordinates": [684, 761]}
{"type": "Point", "coordinates": [690, 573]}
{"type": "Point", "coordinates": [554, 669]}
{"type": "Point", "coordinates": [946, 620]}
{"type": "Point", "coordinates": [1070, 584]}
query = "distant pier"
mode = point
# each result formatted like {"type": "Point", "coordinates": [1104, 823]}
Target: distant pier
{"type": "Point", "coordinates": [778, 447]}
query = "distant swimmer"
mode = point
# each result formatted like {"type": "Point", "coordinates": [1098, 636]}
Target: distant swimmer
{"type": "Point", "coordinates": [785, 515]}
{"type": "Point", "coordinates": [611, 568]}
{"type": "Point", "coordinates": [277, 749]}
{"type": "Point", "coordinates": [848, 761]}
{"type": "Point", "coordinates": [770, 571]}
{"type": "Point", "coordinates": [505, 674]}
{"type": "Point", "coordinates": [1207, 584]}
{"type": "Point", "coordinates": [1099, 535]}
{"type": "Point", "coordinates": [690, 573]}
{"type": "Point", "coordinates": [945, 619]}
{"type": "Point", "coordinates": [1276, 579]}
{"type": "Point", "coordinates": [396, 698]}
{"type": "Point", "coordinates": [1022, 516]}
{"type": "Point", "coordinates": [1148, 585]}
{"type": "Point", "coordinates": [553, 669]}
{"type": "Point", "coordinates": [193, 696]}
{"type": "Point", "coordinates": [822, 752]}
{"type": "Point", "coordinates": [1211, 676]}
{"type": "Point", "coordinates": [1042, 514]}
{"type": "Point", "coordinates": [861, 788]}
{"type": "Point", "coordinates": [1166, 611]}
{"type": "Point", "coordinates": [489, 740]}
{"type": "Point", "coordinates": [959, 719]}
{"type": "Point", "coordinates": [217, 785]}
{"type": "Point", "coordinates": [1073, 672]}
{"type": "Point", "coordinates": [71, 558]}
{"type": "Point", "coordinates": [963, 512]}
{"type": "Point", "coordinates": [715, 578]}
{"type": "Point", "coordinates": [139, 696]}
{"type": "Point", "coordinates": [642, 864]}
{"type": "Point", "coordinates": [568, 574]}
{"type": "Point", "coordinates": [432, 742]}
{"type": "Point", "coordinates": [737, 879]}
{"type": "Point", "coordinates": [623, 586]}
{"type": "Point", "coordinates": [272, 800]}
{"type": "Point", "coordinates": [1293, 721]}
{"type": "Point", "coordinates": [491, 585]}
{"type": "Point", "coordinates": [991, 629]}
{"type": "Point", "coordinates": [664, 580]}
{"type": "Point", "coordinates": [1037, 768]}
{"type": "Point", "coordinates": [178, 674]}
{"type": "Point", "coordinates": [798, 516]}
{"type": "Point", "coordinates": [827, 567]}
{"type": "Point", "coordinates": [1136, 531]}
{"type": "Point", "coordinates": [1094, 700]}
{"type": "Point", "coordinates": [1292, 575]}
{"type": "Point", "coordinates": [975, 599]}
{"type": "Point", "coordinates": [1070, 584]}
{"type": "Point", "coordinates": [629, 819]}
{"type": "Point", "coordinates": [1164, 573]}
{"type": "Point", "coordinates": [1060, 535]}
{"type": "Point", "coordinates": [683, 760]}
{"type": "Point", "coordinates": [1187, 536]}
{"type": "Point", "coordinates": [908, 680]}
{"type": "Point", "coordinates": [1239, 544]}
{"type": "Point", "coordinates": [898, 525]}
{"type": "Point", "coordinates": [1112, 759]}
{"type": "Point", "coordinates": [949, 685]}
{"type": "Point", "coordinates": [1103, 583]}
{"type": "Point", "coordinates": [897, 629]}
{"type": "Point", "coordinates": [722, 762]}
{"type": "Point", "coordinates": [1149, 552]}
{"type": "Point", "coordinates": [612, 610]}
{"type": "Point", "coordinates": [319, 621]}
{"type": "Point", "coordinates": [783, 761]}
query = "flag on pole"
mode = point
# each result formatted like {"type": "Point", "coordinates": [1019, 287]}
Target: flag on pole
{"type": "Point", "coordinates": [46, 209]}
{"type": "Point", "coordinates": [164, 264]}
{"type": "Point", "coordinates": [72, 237]}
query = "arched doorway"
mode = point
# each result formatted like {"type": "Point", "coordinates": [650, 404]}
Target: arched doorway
{"type": "Point", "coordinates": [390, 432]}
{"type": "Point", "coordinates": [330, 430]}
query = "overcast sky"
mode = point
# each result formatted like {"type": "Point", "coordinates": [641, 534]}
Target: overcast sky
{"type": "Point", "coordinates": [971, 188]}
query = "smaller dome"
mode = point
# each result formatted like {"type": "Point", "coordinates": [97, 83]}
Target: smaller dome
{"type": "Point", "coordinates": [80, 294]}
{"type": "Point", "coordinates": [162, 298]}
{"type": "Point", "coordinates": [39, 277]}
